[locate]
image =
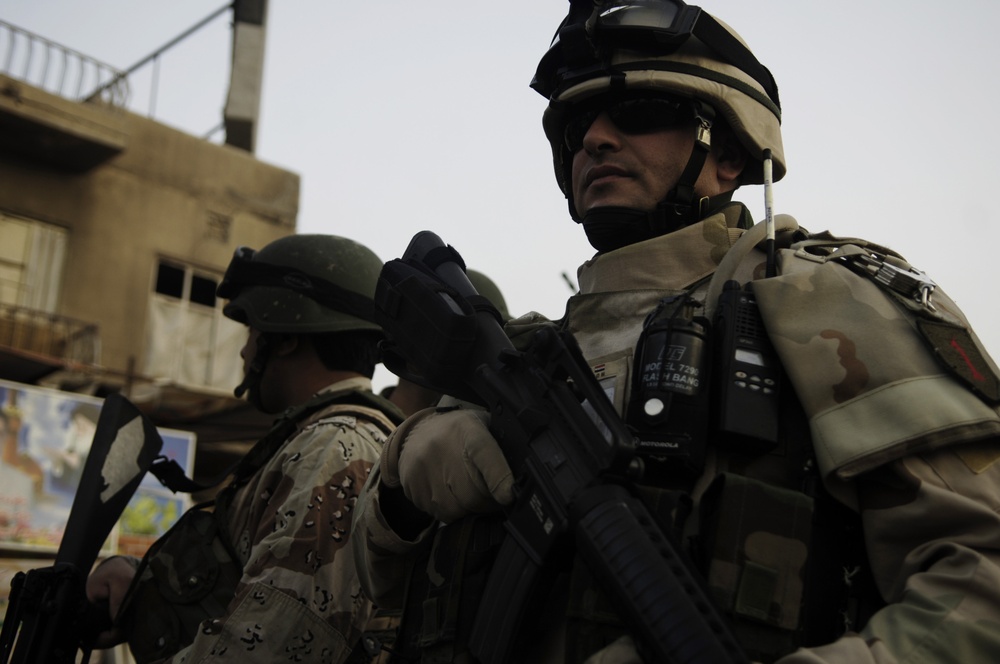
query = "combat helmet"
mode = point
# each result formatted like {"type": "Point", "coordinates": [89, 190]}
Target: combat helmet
{"type": "Point", "coordinates": [659, 47]}
{"type": "Point", "coordinates": [303, 284]}
{"type": "Point", "coordinates": [489, 289]}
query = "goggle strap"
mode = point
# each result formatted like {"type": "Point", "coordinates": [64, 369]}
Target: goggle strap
{"type": "Point", "coordinates": [321, 291]}
{"type": "Point", "coordinates": [713, 35]}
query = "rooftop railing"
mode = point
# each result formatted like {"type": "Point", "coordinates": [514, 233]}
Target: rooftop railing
{"type": "Point", "coordinates": [58, 69]}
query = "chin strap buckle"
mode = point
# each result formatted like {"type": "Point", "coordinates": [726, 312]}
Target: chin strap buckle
{"type": "Point", "coordinates": [703, 207]}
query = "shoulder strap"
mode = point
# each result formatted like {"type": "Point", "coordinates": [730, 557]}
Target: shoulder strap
{"type": "Point", "coordinates": [376, 418]}
{"type": "Point", "coordinates": [741, 249]}
{"type": "Point", "coordinates": [172, 476]}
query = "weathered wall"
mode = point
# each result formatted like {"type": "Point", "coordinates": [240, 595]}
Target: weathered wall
{"type": "Point", "coordinates": [166, 194]}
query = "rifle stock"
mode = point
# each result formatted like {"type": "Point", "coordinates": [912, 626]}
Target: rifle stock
{"type": "Point", "coordinates": [571, 454]}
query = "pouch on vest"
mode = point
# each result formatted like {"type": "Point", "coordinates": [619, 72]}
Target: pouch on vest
{"type": "Point", "coordinates": [186, 577]}
{"type": "Point", "coordinates": [755, 542]}
{"type": "Point", "coordinates": [445, 587]}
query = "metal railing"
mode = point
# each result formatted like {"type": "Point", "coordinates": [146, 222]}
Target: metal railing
{"type": "Point", "coordinates": [58, 69]}
{"type": "Point", "coordinates": [48, 334]}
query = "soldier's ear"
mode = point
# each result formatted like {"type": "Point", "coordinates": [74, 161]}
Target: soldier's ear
{"type": "Point", "coordinates": [730, 156]}
{"type": "Point", "coordinates": [286, 345]}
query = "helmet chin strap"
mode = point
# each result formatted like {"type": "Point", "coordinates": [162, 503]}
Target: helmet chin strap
{"type": "Point", "coordinates": [250, 385]}
{"type": "Point", "coordinates": [613, 227]}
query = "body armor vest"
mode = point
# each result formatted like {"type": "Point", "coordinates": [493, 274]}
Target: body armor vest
{"type": "Point", "coordinates": [758, 526]}
{"type": "Point", "coordinates": [757, 570]}
{"type": "Point", "coordinates": [769, 529]}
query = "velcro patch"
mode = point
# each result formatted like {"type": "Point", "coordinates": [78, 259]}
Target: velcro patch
{"type": "Point", "coordinates": [957, 349]}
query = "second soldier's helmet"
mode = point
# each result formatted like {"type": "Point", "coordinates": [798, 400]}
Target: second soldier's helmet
{"type": "Point", "coordinates": [489, 289]}
{"type": "Point", "coordinates": [662, 47]}
{"type": "Point", "coordinates": [303, 284]}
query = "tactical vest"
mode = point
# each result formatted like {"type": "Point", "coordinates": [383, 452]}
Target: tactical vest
{"type": "Point", "coordinates": [749, 538]}
{"type": "Point", "coordinates": [189, 576]}
{"type": "Point", "coordinates": [782, 555]}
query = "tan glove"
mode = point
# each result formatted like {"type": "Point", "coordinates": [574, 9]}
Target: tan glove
{"type": "Point", "coordinates": [448, 464]}
{"type": "Point", "coordinates": [621, 651]}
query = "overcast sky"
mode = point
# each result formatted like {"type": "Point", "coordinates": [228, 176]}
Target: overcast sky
{"type": "Point", "coordinates": [402, 116]}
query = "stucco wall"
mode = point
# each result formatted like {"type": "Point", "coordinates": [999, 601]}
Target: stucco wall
{"type": "Point", "coordinates": [167, 194]}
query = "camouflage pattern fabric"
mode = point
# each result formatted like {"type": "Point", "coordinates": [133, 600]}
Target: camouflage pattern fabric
{"type": "Point", "coordinates": [299, 599]}
{"type": "Point", "coordinates": [928, 497]}
{"type": "Point", "coordinates": [859, 364]}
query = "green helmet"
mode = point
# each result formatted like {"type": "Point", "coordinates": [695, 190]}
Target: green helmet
{"type": "Point", "coordinates": [663, 47]}
{"type": "Point", "coordinates": [303, 284]}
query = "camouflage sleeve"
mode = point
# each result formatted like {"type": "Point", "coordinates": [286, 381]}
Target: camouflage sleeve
{"type": "Point", "coordinates": [383, 557]}
{"type": "Point", "coordinates": [932, 525]}
{"type": "Point", "coordinates": [299, 598]}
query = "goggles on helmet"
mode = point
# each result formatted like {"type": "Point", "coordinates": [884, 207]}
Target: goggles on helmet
{"type": "Point", "coordinates": [638, 115]}
{"type": "Point", "coordinates": [245, 272]}
{"type": "Point", "coordinates": [656, 27]}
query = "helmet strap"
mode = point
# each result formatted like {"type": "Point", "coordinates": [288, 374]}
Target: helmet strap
{"type": "Point", "coordinates": [682, 195]}
{"type": "Point", "coordinates": [250, 384]}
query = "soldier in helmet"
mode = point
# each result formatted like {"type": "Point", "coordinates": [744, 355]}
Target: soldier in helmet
{"type": "Point", "coordinates": [267, 575]}
{"type": "Point", "coordinates": [831, 469]}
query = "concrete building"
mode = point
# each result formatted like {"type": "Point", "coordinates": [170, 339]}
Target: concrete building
{"type": "Point", "coordinates": [114, 231]}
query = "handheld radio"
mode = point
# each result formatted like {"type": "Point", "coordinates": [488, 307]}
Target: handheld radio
{"type": "Point", "coordinates": [748, 374]}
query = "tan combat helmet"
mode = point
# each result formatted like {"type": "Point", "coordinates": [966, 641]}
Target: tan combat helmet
{"type": "Point", "coordinates": [658, 46]}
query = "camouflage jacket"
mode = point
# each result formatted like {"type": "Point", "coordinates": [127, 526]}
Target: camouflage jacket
{"type": "Point", "coordinates": [898, 437]}
{"type": "Point", "coordinates": [298, 598]}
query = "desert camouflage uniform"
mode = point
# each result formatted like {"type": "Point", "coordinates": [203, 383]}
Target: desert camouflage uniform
{"type": "Point", "coordinates": [897, 438]}
{"type": "Point", "coordinates": [298, 598]}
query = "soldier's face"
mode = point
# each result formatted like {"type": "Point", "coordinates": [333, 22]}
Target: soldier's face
{"type": "Point", "coordinates": [614, 168]}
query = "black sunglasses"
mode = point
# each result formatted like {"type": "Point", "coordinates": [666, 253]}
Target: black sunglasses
{"type": "Point", "coordinates": [630, 116]}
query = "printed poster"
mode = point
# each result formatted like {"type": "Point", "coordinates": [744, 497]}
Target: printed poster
{"type": "Point", "coordinates": [45, 436]}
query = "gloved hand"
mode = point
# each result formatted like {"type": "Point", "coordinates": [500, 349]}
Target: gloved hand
{"type": "Point", "coordinates": [621, 651]}
{"type": "Point", "coordinates": [109, 582]}
{"type": "Point", "coordinates": [448, 464]}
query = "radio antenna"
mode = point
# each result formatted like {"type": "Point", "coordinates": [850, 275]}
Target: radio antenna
{"type": "Point", "coordinates": [771, 269]}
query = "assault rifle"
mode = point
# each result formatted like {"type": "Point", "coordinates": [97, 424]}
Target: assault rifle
{"type": "Point", "coordinates": [48, 616]}
{"type": "Point", "coordinates": [572, 456]}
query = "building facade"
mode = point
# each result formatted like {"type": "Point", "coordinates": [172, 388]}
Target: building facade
{"type": "Point", "coordinates": [114, 232]}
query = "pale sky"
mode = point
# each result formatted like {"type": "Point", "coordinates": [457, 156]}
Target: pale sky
{"type": "Point", "coordinates": [402, 116]}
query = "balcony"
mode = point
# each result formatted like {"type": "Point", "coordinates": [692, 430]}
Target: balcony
{"type": "Point", "coordinates": [57, 106]}
{"type": "Point", "coordinates": [34, 344]}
